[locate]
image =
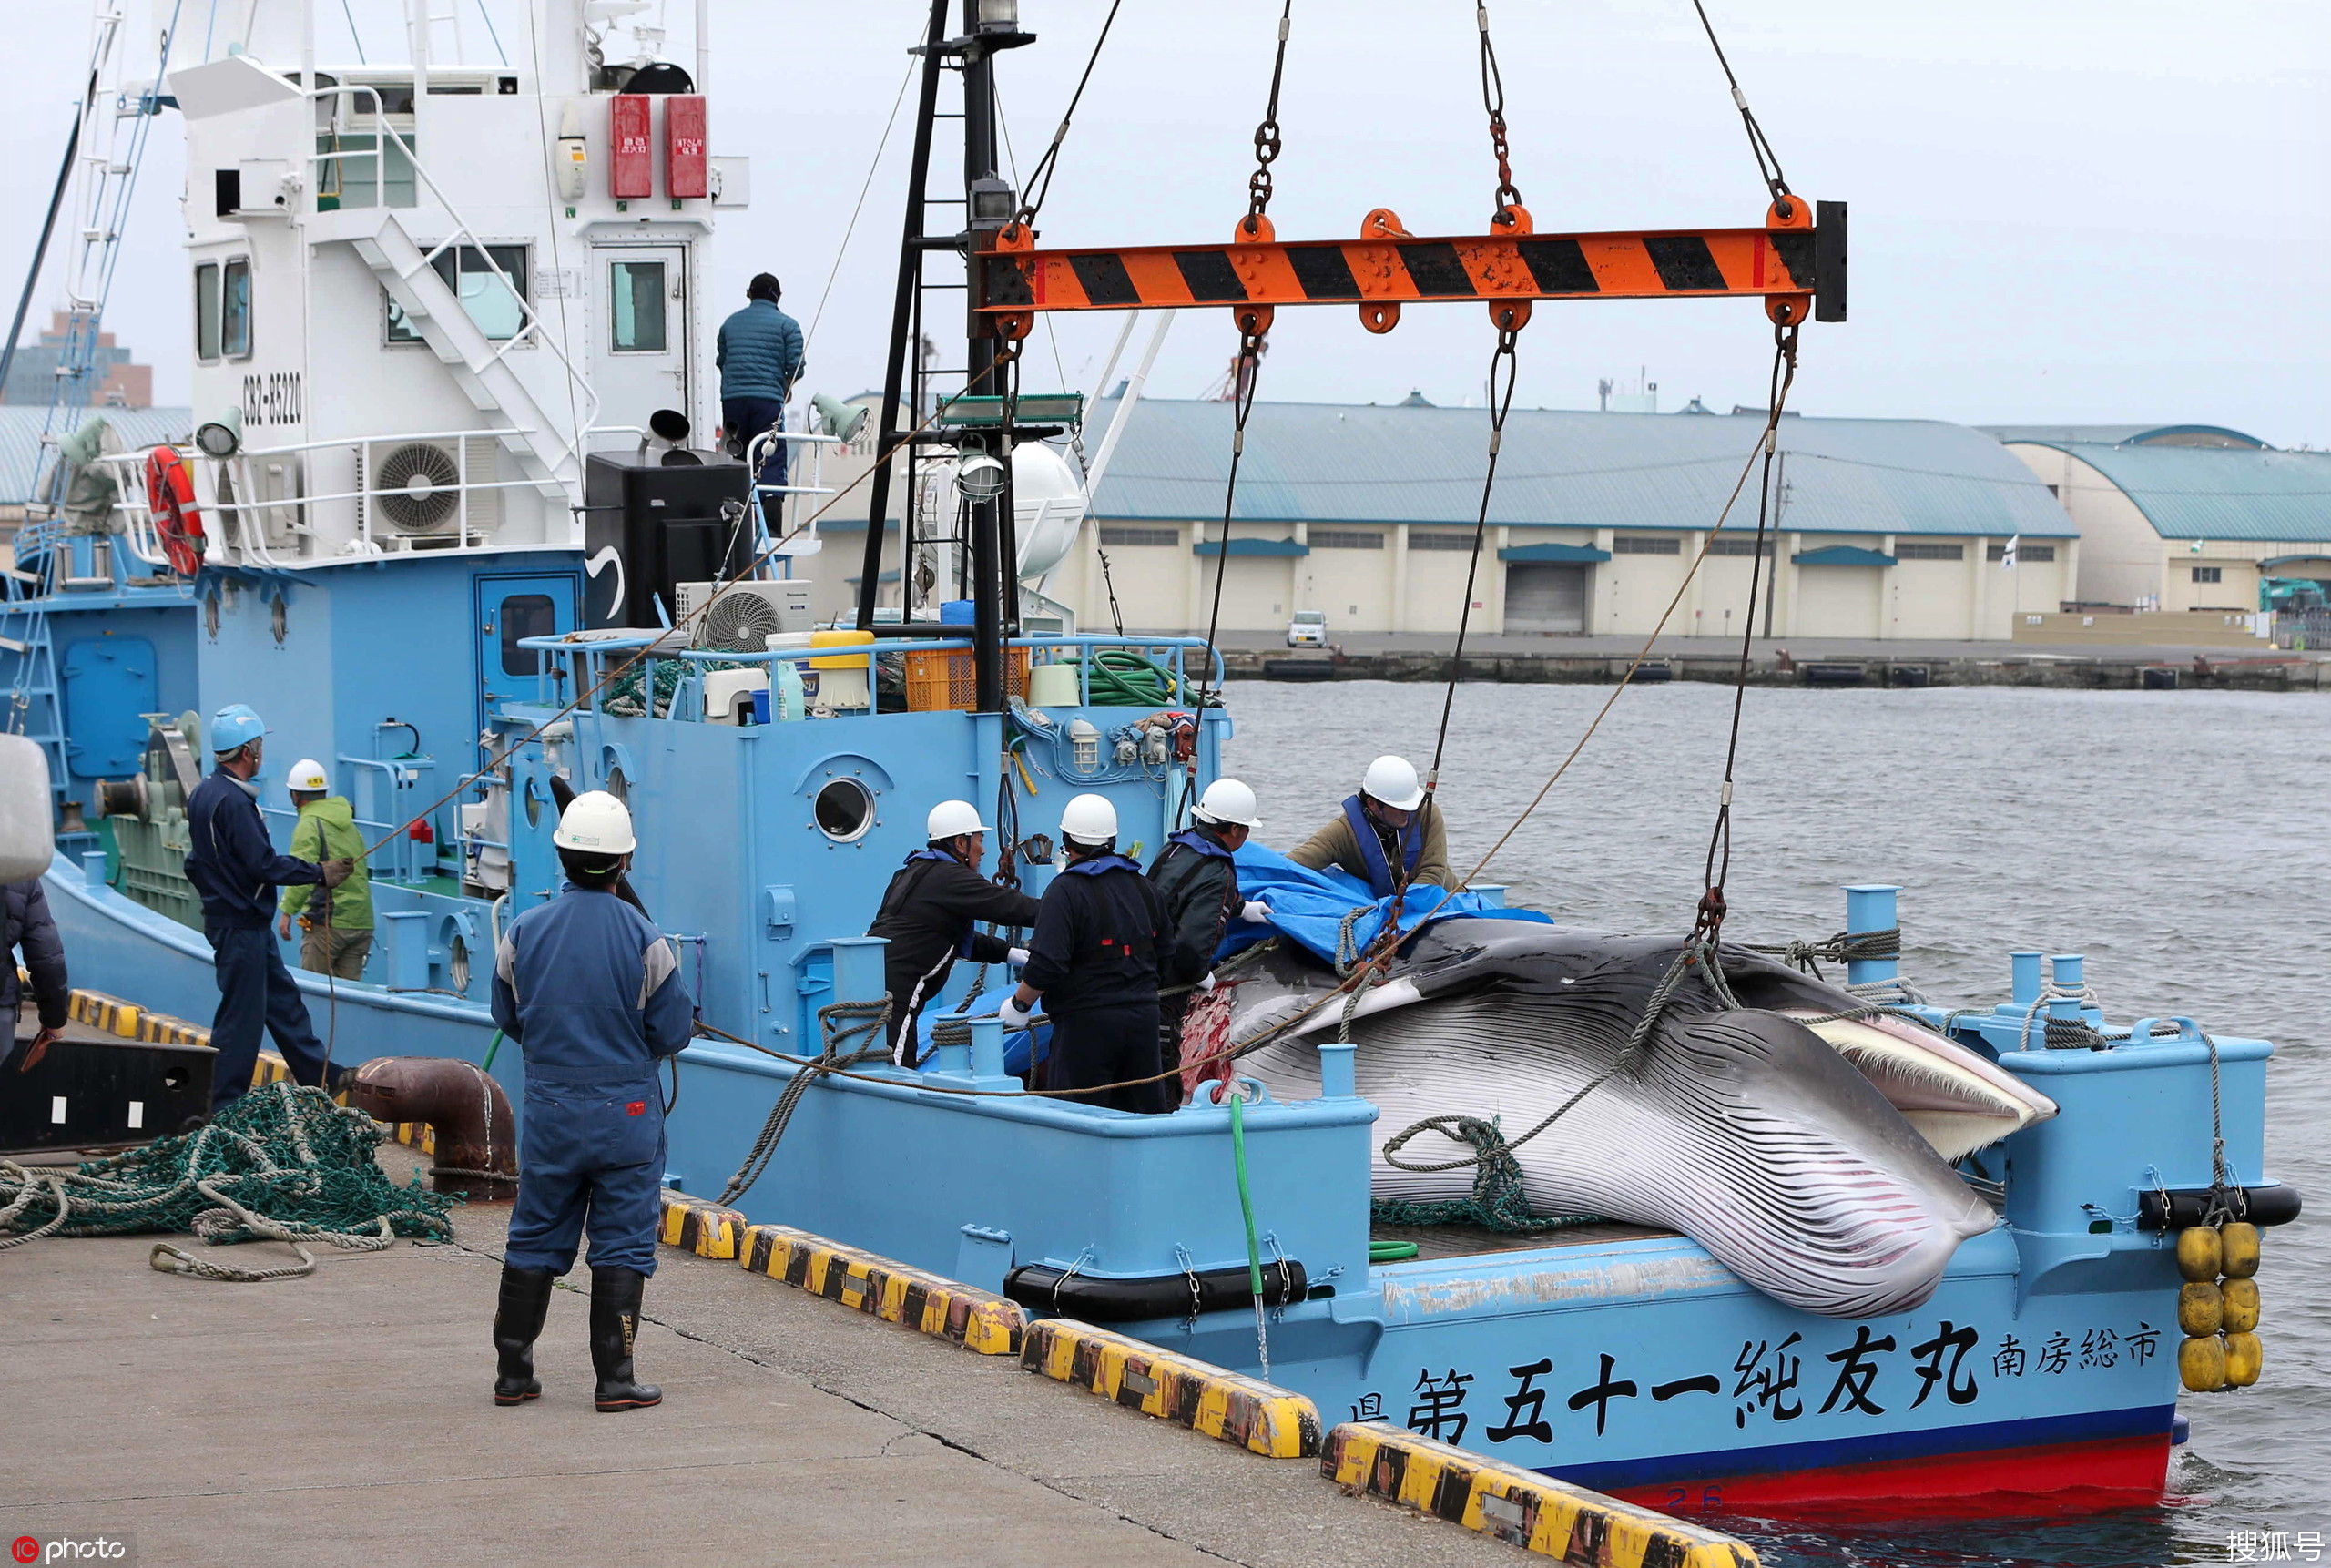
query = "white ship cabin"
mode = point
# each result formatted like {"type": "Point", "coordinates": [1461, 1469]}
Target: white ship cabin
{"type": "Point", "coordinates": [424, 291]}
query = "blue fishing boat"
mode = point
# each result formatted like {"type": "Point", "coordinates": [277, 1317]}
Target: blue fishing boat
{"type": "Point", "coordinates": [443, 523]}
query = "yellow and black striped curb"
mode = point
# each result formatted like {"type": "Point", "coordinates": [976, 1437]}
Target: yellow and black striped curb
{"type": "Point", "coordinates": [272, 1069]}
{"type": "Point", "coordinates": [131, 1021]}
{"type": "Point", "coordinates": [1208, 1399]}
{"type": "Point", "coordinates": [1517, 1506]}
{"type": "Point", "coordinates": [704, 1228]}
{"type": "Point", "coordinates": [978, 1320]}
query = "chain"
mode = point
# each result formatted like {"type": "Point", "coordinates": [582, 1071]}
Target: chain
{"type": "Point", "coordinates": [1493, 101]}
{"type": "Point", "coordinates": [1267, 136]}
{"type": "Point", "coordinates": [1502, 366]}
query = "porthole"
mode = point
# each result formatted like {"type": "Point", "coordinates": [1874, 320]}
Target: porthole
{"type": "Point", "coordinates": [845, 810]}
{"type": "Point", "coordinates": [457, 964]}
{"type": "Point", "coordinates": [618, 786]}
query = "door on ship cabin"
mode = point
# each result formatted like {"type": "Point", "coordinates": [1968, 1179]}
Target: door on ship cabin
{"type": "Point", "coordinates": [645, 331]}
{"type": "Point", "coordinates": [509, 608]}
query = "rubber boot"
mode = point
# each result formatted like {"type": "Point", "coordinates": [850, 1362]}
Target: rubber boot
{"type": "Point", "coordinates": [615, 1325]}
{"type": "Point", "coordinates": [517, 1324]}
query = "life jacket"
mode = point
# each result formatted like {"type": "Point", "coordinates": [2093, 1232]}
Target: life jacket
{"type": "Point", "coordinates": [1193, 840]}
{"type": "Point", "coordinates": [1112, 862]}
{"type": "Point", "coordinates": [1381, 880]}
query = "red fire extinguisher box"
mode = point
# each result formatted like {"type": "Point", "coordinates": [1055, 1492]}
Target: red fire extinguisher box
{"type": "Point", "coordinates": [631, 160]}
{"type": "Point", "coordinates": [686, 172]}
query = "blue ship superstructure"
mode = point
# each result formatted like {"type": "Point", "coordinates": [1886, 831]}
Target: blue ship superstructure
{"type": "Point", "coordinates": [461, 636]}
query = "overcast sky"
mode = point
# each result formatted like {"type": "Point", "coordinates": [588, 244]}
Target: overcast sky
{"type": "Point", "coordinates": [2062, 209]}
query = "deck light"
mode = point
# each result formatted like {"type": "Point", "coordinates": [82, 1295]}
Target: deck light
{"type": "Point", "coordinates": [999, 16]}
{"type": "Point", "coordinates": [222, 437]}
{"type": "Point", "coordinates": [981, 478]}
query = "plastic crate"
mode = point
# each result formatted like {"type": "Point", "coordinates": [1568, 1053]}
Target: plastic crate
{"type": "Point", "coordinates": [937, 682]}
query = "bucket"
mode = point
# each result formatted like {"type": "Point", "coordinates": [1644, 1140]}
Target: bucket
{"type": "Point", "coordinates": [1053, 686]}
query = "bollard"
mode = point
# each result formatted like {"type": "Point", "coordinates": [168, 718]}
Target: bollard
{"type": "Point", "coordinates": [1870, 906]}
{"type": "Point", "coordinates": [987, 1047]}
{"type": "Point", "coordinates": [858, 968]}
{"type": "Point", "coordinates": [1338, 1080]}
{"type": "Point", "coordinates": [2070, 971]}
{"type": "Point", "coordinates": [2023, 976]}
{"type": "Point", "coordinates": [951, 1059]}
{"type": "Point", "coordinates": [405, 934]}
{"type": "Point", "coordinates": [93, 867]}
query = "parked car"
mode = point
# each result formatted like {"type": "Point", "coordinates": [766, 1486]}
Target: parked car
{"type": "Point", "coordinates": [1308, 630]}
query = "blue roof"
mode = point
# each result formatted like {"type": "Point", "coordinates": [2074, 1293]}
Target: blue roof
{"type": "Point", "coordinates": [20, 444]}
{"type": "Point", "coordinates": [1842, 556]}
{"type": "Point", "coordinates": [1582, 553]}
{"type": "Point", "coordinates": [2124, 434]}
{"type": "Point", "coordinates": [1252, 548]}
{"type": "Point", "coordinates": [2219, 493]}
{"type": "Point", "coordinates": [1328, 462]}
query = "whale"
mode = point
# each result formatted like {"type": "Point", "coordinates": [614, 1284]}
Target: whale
{"type": "Point", "coordinates": [1814, 1166]}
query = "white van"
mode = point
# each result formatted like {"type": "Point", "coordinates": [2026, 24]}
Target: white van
{"type": "Point", "coordinates": [1308, 630]}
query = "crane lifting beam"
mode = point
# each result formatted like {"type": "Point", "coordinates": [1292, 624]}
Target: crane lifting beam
{"type": "Point", "coordinates": [1792, 263]}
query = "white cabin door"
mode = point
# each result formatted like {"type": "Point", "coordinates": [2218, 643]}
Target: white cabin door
{"type": "Point", "coordinates": [644, 330]}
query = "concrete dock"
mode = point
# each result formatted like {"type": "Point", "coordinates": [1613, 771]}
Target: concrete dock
{"type": "Point", "coordinates": [345, 1419]}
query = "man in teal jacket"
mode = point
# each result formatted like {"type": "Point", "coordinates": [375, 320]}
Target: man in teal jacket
{"type": "Point", "coordinates": [760, 356]}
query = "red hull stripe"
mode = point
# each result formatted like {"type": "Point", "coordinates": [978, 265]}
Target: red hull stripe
{"type": "Point", "coordinates": [2117, 1471]}
{"type": "Point", "coordinates": [1992, 1442]}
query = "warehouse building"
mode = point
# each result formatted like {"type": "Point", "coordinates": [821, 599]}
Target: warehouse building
{"type": "Point", "coordinates": [2182, 518]}
{"type": "Point", "coordinates": [1884, 528]}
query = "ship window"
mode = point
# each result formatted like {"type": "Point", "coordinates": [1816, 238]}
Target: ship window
{"type": "Point", "coordinates": [206, 311]}
{"type": "Point", "coordinates": [496, 305]}
{"type": "Point", "coordinates": [235, 308]}
{"type": "Point", "coordinates": [525, 616]}
{"type": "Point", "coordinates": [845, 810]}
{"type": "Point", "coordinates": [636, 292]}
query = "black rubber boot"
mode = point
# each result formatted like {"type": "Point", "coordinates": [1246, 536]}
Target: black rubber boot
{"type": "Point", "coordinates": [615, 1325]}
{"type": "Point", "coordinates": [517, 1324]}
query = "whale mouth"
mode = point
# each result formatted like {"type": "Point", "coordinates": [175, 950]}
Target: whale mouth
{"type": "Point", "coordinates": [1953, 1097]}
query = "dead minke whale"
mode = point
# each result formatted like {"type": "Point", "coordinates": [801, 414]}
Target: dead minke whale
{"type": "Point", "coordinates": [1808, 1158]}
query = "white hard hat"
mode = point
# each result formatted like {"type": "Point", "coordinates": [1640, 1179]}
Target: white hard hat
{"type": "Point", "coordinates": [307, 775]}
{"type": "Point", "coordinates": [1228, 800]}
{"type": "Point", "coordinates": [951, 819]}
{"type": "Point", "coordinates": [1393, 780]}
{"type": "Point", "coordinates": [595, 822]}
{"type": "Point", "coordinates": [1089, 819]}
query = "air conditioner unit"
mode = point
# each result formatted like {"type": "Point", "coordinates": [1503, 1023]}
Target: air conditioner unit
{"type": "Point", "coordinates": [413, 489]}
{"type": "Point", "coordinates": [741, 617]}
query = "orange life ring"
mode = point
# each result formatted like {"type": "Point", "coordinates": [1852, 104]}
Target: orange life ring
{"type": "Point", "coordinates": [169, 497]}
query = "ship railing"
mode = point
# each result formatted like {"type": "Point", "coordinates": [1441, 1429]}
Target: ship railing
{"type": "Point", "coordinates": [533, 327]}
{"type": "Point", "coordinates": [769, 519]}
{"type": "Point", "coordinates": [583, 658]}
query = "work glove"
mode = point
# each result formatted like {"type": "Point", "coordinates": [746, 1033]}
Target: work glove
{"type": "Point", "coordinates": [1205, 982]}
{"type": "Point", "coordinates": [1015, 1016]}
{"type": "Point", "coordinates": [1017, 958]}
{"type": "Point", "coordinates": [1256, 912]}
{"type": "Point", "coordinates": [338, 872]}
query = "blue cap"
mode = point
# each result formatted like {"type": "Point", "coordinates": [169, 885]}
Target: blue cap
{"type": "Point", "coordinates": [234, 726]}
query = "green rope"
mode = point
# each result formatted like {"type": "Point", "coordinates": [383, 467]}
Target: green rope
{"type": "Point", "coordinates": [1391, 1251]}
{"type": "Point", "coordinates": [1497, 1201]}
{"type": "Point", "coordinates": [281, 1164]}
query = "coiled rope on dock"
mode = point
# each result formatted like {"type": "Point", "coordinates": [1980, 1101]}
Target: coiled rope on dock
{"type": "Point", "coordinates": [281, 1164]}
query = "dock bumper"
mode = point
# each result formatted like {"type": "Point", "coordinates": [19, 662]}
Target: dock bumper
{"type": "Point", "coordinates": [1208, 1399]}
{"type": "Point", "coordinates": [700, 1227]}
{"type": "Point", "coordinates": [979, 1320]}
{"type": "Point", "coordinates": [1517, 1506]}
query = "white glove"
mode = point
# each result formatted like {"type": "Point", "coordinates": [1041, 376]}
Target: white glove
{"type": "Point", "coordinates": [1256, 912]}
{"type": "Point", "coordinates": [1205, 983]}
{"type": "Point", "coordinates": [1017, 958]}
{"type": "Point", "coordinates": [1015, 1016]}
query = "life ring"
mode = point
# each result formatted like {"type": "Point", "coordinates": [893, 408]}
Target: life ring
{"type": "Point", "coordinates": [170, 499]}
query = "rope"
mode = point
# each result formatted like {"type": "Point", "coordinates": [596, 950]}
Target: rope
{"type": "Point", "coordinates": [281, 1164]}
{"type": "Point", "coordinates": [1246, 1210]}
{"type": "Point", "coordinates": [1497, 1201]}
{"type": "Point", "coordinates": [1845, 947]}
{"type": "Point", "coordinates": [1501, 384]}
{"type": "Point", "coordinates": [838, 1022]}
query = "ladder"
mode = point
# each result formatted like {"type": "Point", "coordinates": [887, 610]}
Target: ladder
{"type": "Point", "coordinates": [32, 707]}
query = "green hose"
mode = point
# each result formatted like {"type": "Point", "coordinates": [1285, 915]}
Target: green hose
{"type": "Point", "coordinates": [1246, 1197]}
{"type": "Point", "coordinates": [1391, 1251]}
{"type": "Point", "coordinates": [491, 1047]}
{"type": "Point", "coordinates": [1124, 677]}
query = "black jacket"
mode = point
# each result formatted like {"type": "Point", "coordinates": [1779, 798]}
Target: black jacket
{"type": "Point", "coordinates": [25, 923]}
{"type": "Point", "coordinates": [1100, 938]}
{"type": "Point", "coordinates": [1198, 881]}
{"type": "Point", "coordinates": [231, 860]}
{"type": "Point", "coordinates": [928, 914]}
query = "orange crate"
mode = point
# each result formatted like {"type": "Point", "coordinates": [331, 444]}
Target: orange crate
{"type": "Point", "coordinates": [937, 682]}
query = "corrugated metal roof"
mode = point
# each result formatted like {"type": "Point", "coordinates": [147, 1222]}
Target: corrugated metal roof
{"type": "Point", "coordinates": [2219, 493]}
{"type": "Point", "coordinates": [2115, 434]}
{"type": "Point", "coordinates": [1327, 463]}
{"type": "Point", "coordinates": [20, 446]}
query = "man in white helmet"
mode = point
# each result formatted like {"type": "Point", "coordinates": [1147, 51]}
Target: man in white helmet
{"type": "Point", "coordinates": [1389, 835]}
{"type": "Point", "coordinates": [930, 914]}
{"type": "Point", "coordinates": [590, 992]}
{"type": "Point", "coordinates": [338, 921]}
{"type": "Point", "coordinates": [1198, 881]}
{"type": "Point", "coordinates": [1100, 938]}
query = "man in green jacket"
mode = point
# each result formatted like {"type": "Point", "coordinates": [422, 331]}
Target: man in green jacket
{"type": "Point", "coordinates": [339, 921]}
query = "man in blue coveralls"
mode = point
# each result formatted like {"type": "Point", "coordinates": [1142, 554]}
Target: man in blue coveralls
{"type": "Point", "coordinates": [234, 867]}
{"type": "Point", "coordinates": [591, 991]}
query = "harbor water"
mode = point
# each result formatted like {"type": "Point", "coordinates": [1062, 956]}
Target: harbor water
{"type": "Point", "coordinates": [2174, 837]}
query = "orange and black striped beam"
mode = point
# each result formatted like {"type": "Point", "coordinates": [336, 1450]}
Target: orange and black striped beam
{"type": "Point", "coordinates": [1795, 263]}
